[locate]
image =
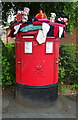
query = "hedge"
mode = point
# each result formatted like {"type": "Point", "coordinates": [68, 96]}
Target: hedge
{"type": "Point", "coordinates": [8, 64]}
{"type": "Point", "coordinates": [67, 64]}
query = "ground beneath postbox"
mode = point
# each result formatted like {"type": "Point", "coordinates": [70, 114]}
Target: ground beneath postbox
{"type": "Point", "coordinates": [63, 107]}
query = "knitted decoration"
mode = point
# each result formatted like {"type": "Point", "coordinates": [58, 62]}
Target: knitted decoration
{"type": "Point", "coordinates": [41, 15]}
{"type": "Point", "coordinates": [62, 19]}
{"type": "Point", "coordinates": [19, 17]}
{"type": "Point", "coordinates": [25, 14]}
{"type": "Point", "coordinates": [52, 18]}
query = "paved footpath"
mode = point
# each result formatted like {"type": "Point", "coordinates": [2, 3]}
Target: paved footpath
{"type": "Point", "coordinates": [63, 107]}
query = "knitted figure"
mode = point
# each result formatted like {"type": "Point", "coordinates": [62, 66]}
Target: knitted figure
{"type": "Point", "coordinates": [52, 18]}
{"type": "Point", "coordinates": [41, 15]}
{"type": "Point", "coordinates": [19, 16]}
{"type": "Point", "coordinates": [65, 20]}
{"type": "Point", "coordinates": [62, 19]}
{"type": "Point", "coordinates": [25, 14]}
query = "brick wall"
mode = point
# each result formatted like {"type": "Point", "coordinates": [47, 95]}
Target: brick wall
{"type": "Point", "coordinates": [70, 39]}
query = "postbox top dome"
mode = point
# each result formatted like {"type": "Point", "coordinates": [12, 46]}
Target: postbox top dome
{"type": "Point", "coordinates": [41, 15]}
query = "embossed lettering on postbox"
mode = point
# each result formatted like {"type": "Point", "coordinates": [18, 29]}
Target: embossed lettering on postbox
{"type": "Point", "coordinates": [38, 73]}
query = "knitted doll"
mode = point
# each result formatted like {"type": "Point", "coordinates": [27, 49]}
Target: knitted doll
{"type": "Point", "coordinates": [19, 16]}
{"type": "Point", "coordinates": [52, 18]}
{"type": "Point", "coordinates": [25, 14]}
{"type": "Point", "coordinates": [62, 19]}
{"type": "Point", "coordinates": [65, 20]}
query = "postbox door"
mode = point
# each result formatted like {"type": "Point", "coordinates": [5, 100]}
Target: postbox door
{"type": "Point", "coordinates": [37, 63]}
{"type": "Point", "coordinates": [56, 60]}
{"type": "Point", "coordinates": [18, 61]}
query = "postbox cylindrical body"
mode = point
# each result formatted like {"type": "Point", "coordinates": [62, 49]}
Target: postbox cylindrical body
{"type": "Point", "coordinates": [36, 64]}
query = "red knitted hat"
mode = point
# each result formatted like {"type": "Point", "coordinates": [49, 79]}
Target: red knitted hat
{"type": "Point", "coordinates": [41, 15]}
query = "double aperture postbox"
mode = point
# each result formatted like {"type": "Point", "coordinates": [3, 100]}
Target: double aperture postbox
{"type": "Point", "coordinates": [36, 64]}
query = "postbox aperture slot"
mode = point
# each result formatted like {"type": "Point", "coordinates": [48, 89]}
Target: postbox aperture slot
{"type": "Point", "coordinates": [27, 36]}
{"type": "Point", "coordinates": [49, 47]}
{"type": "Point", "coordinates": [50, 37]}
{"type": "Point", "coordinates": [28, 47]}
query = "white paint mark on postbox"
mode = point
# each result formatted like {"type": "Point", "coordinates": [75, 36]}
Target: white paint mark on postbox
{"type": "Point", "coordinates": [49, 47]}
{"type": "Point", "coordinates": [28, 47]}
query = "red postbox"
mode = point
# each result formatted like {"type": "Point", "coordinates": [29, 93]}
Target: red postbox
{"type": "Point", "coordinates": [37, 65]}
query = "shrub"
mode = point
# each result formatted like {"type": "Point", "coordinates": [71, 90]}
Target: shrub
{"type": "Point", "coordinates": [68, 64]}
{"type": "Point", "coordinates": [8, 64]}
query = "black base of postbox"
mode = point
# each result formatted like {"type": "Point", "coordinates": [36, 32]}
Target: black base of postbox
{"type": "Point", "coordinates": [26, 95]}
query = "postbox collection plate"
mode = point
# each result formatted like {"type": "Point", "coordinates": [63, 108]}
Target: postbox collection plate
{"type": "Point", "coordinates": [49, 47]}
{"type": "Point", "coordinates": [28, 47]}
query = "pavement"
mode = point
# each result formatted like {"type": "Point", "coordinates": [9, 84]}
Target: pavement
{"type": "Point", "coordinates": [63, 107]}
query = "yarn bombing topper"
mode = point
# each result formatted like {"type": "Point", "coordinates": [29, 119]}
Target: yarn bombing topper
{"type": "Point", "coordinates": [41, 15]}
{"type": "Point", "coordinates": [26, 23]}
